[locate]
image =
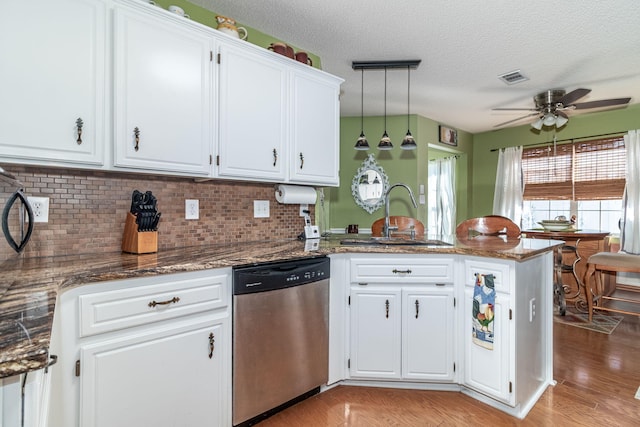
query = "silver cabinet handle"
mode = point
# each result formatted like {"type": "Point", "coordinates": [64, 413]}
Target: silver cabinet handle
{"type": "Point", "coordinates": [301, 160]}
{"type": "Point", "coordinates": [275, 157]}
{"type": "Point", "coordinates": [386, 305]}
{"type": "Point", "coordinates": [396, 271]}
{"type": "Point", "coordinates": [417, 308]}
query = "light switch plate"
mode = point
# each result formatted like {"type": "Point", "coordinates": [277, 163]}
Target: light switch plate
{"type": "Point", "coordinates": [261, 209]}
{"type": "Point", "coordinates": [191, 209]}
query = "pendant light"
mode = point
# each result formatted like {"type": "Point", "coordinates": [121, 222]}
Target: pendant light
{"type": "Point", "coordinates": [408, 143]}
{"type": "Point", "coordinates": [385, 141]}
{"type": "Point", "coordinates": [362, 144]}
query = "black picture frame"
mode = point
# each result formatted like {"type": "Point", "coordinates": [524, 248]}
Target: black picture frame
{"type": "Point", "coordinates": [447, 135]}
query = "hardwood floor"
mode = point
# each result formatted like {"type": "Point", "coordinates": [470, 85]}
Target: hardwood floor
{"type": "Point", "coordinates": [597, 376]}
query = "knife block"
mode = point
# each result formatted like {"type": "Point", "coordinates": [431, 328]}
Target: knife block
{"type": "Point", "coordinates": [138, 242]}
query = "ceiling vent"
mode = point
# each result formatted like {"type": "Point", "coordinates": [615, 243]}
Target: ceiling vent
{"type": "Point", "coordinates": [513, 77]}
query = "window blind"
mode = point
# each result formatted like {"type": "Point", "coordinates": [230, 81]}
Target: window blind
{"type": "Point", "coordinates": [587, 170]}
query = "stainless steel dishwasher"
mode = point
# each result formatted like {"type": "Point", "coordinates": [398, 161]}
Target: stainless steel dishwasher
{"type": "Point", "coordinates": [280, 336]}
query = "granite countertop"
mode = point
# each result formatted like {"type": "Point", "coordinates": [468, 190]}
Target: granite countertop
{"type": "Point", "coordinates": [30, 286]}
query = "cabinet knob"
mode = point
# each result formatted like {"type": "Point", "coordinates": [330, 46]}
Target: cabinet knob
{"type": "Point", "coordinates": [79, 124]}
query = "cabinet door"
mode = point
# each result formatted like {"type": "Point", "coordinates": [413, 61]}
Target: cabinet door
{"type": "Point", "coordinates": [162, 94]}
{"type": "Point", "coordinates": [375, 333]}
{"type": "Point", "coordinates": [164, 377]}
{"type": "Point", "coordinates": [489, 371]}
{"type": "Point", "coordinates": [53, 73]}
{"type": "Point", "coordinates": [427, 333]}
{"type": "Point", "coordinates": [253, 115]}
{"type": "Point", "coordinates": [316, 130]}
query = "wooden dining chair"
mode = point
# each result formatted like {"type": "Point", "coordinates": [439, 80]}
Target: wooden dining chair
{"type": "Point", "coordinates": [404, 223]}
{"type": "Point", "coordinates": [490, 225]}
{"type": "Point", "coordinates": [622, 299]}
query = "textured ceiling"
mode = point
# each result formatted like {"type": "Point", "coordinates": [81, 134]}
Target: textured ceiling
{"type": "Point", "coordinates": [464, 46]}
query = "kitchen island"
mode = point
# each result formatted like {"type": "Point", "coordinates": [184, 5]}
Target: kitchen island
{"type": "Point", "coordinates": [32, 286]}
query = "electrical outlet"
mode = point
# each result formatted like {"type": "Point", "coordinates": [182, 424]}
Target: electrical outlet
{"type": "Point", "coordinates": [40, 208]}
{"type": "Point", "coordinates": [261, 209]}
{"type": "Point", "coordinates": [191, 209]}
{"type": "Point", "coordinates": [303, 208]}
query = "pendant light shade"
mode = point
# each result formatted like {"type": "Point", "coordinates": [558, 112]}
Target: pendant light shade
{"type": "Point", "coordinates": [362, 144]}
{"type": "Point", "coordinates": [385, 141]}
{"type": "Point", "coordinates": [408, 143]}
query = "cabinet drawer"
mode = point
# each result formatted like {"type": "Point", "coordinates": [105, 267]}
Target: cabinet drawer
{"type": "Point", "coordinates": [500, 273]}
{"type": "Point", "coordinates": [122, 308]}
{"type": "Point", "coordinates": [403, 270]}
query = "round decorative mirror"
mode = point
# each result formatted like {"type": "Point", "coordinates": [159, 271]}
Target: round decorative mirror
{"type": "Point", "coordinates": [369, 185]}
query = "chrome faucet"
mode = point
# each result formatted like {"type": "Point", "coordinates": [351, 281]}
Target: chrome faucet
{"type": "Point", "coordinates": [387, 228]}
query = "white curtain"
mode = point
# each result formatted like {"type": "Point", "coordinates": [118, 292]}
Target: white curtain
{"type": "Point", "coordinates": [630, 227]}
{"type": "Point", "coordinates": [507, 199]}
{"type": "Point", "coordinates": [442, 197]}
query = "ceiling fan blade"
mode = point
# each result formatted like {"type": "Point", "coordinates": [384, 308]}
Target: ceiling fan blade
{"type": "Point", "coordinates": [560, 113]}
{"type": "Point", "coordinates": [573, 96]}
{"type": "Point", "coordinates": [515, 120]}
{"type": "Point", "coordinates": [514, 109]}
{"type": "Point", "coordinates": [602, 103]}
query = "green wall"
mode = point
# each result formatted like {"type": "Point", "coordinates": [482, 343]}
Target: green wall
{"type": "Point", "coordinates": [405, 166]}
{"type": "Point", "coordinates": [208, 18]}
{"type": "Point", "coordinates": [485, 161]}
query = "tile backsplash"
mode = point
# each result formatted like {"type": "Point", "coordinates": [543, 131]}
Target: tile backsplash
{"type": "Point", "coordinates": [87, 211]}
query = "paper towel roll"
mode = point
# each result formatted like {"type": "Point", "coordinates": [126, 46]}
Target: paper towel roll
{"type": "Point", "coordinates": [295, 195]}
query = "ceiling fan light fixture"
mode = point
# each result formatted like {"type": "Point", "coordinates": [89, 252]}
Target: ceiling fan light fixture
{"type": "Point", "coordinates": [549, 119]}
{"type": "Point", "coordinates": [537, 125]}
{"type": "Point", "coordinates": [561, 121]}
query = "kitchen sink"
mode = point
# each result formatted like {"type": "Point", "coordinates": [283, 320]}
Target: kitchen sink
{"type": "Point", "coordinates": [378, 241]}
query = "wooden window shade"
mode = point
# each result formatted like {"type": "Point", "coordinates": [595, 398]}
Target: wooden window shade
{"type": "Point", "coordinates": [547, 172]}
{"type": "Point", "coordinates": [588, 170]}
{"type": "Point", "coordinates": [599, 171]}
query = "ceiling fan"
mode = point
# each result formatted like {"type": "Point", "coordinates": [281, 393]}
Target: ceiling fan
{"type": "Point", "coordinates": [550, 107]}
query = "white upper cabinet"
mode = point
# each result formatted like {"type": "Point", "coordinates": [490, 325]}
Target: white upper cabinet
{"type": "Point", "coordinates": [315, 145]}
{"type": "Point", "coordinates": [52, 58]}
{"type": "Point", "coordinates": [253, 115]}
{"type": "Point", "coordinates": [162, 92]}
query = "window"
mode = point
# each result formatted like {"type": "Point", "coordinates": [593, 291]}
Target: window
{"type": "Point", "coordinates": [585, 179]}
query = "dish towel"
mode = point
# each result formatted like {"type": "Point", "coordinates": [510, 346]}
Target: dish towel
{"type": "Point", "coordinates": [484, 300]}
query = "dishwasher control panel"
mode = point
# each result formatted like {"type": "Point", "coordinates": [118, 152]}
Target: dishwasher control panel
{"type": "Point", "coordinates": [266, 277]}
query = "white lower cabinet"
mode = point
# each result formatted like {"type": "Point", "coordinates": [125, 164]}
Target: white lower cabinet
{"type": "Point", "coordinates": [165, 377]}
{"type": "Point", "coordinates": [405, 328]}
{"type": "Point", "coordinates": [375, 333]}
{"type": "Point", "coordinates": [427, 341]}
{"type": "Point", "coordinates": [489, 370]}
{"type": "Point", "coordinates": [150, 351]}
{"type": "Point", "coordinates": [401, 324]}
